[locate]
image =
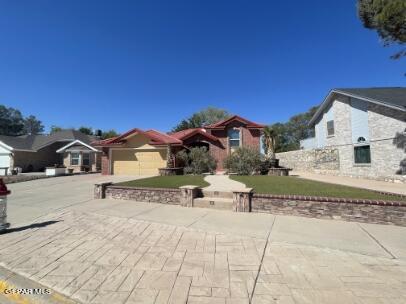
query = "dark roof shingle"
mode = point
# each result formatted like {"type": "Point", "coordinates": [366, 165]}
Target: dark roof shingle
{"type": "Point", "coordinates": [36, 142]}
{"type": "Point", "coordinates": [395, 96]}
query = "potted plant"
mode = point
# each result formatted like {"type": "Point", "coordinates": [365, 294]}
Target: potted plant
{"type": "Point", "coordinates": [270, 137]}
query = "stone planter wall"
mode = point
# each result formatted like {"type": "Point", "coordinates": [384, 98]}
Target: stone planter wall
{"type": "Point", "coordinates": [53, 171]}
{"type": "Point", "coordinates": [245, 200]}
{"type": "Point", "coordinates": [152, 195]}
{"type": "Point", "coordinates": [366, 211]}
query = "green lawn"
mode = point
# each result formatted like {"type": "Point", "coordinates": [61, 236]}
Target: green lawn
{"type": "Point", "coordinates": [297, 186]}
{"type": "Point", "coordinates": [166, 181]}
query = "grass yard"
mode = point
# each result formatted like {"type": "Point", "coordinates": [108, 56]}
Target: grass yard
{"type": "Point", "coordinates": [174, 181]}
{"type": "Point", "coordinates": [297, 186]}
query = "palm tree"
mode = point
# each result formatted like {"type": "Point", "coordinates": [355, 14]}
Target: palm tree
{"type": "Point", "coordinates": [270, 136]}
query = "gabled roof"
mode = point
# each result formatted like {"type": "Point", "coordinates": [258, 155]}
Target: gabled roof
{"type": "Point", "coordinates": [76, 142]}
{"type": "Point", "coordinates": [162, 138]}
{"type": "Point", "coordinates": [185, 134]}
{"type": "Point", "coordinates": [175, 138]}
{"type": "Point", "coordinates": [391, 97]}
{"type": "Point", "coordinates": [157, 138]}
{"type": "Point", "coordinates": [102, 142]}
{"type": "Point", "coordinates": [222, 124]}
{"type": "Point", "coordinates": [36, 142]}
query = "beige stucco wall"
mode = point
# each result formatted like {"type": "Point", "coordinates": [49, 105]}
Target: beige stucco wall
{"type": "Point", "coordinates": [95, 159]}
{"type": "Point", "coordinates": [137, 157]}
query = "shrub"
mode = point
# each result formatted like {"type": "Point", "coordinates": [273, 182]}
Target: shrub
{"type": "Point", "coordinates": [197, 160]}
{"type": "Point", "coordinates": [244, 161]}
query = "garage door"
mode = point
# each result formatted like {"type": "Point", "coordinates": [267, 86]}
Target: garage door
{"type": "Point", "coordinates": [5, 160]}
{"type": "Point", "coordinates": [140, 162]}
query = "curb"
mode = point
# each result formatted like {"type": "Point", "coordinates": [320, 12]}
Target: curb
{"type": "Point", "coordinates": [11, 280]}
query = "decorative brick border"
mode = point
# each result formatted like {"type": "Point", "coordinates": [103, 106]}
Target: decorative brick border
{"type": "Point", "coordinates": [388, 193]}
{"type": "Point", "coordinates": [353, 210]}
{"type": "Point", "coordinates": [245, 200]}
{"type": "Point", "coordinates": [331, 199]}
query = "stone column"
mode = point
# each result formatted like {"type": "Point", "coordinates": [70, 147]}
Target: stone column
{"type": "Point", "coordinates": [100, 190]}
{"type": "Point", "coordinates": [242, 200]}
{"type": "Point", "coordinates": [187, 194]}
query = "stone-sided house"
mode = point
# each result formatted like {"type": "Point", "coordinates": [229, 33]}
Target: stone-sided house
{"type": "Point", "coordinates": [358, 132]}
{"type": "Point", "coordinates": [36, 152]}
{"type": "Point", "coordinates": [139, 152]}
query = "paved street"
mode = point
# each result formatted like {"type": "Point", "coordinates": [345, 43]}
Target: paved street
{"type": "Point", "coordinates": [33, 199]}
{"type": "Point", "coordinates": [112, 251]}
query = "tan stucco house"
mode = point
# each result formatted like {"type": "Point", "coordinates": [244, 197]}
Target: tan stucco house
{"type": "Point", "coordinates": [80, 157]}
{"type": "Point", "coordinates": [36, 152]}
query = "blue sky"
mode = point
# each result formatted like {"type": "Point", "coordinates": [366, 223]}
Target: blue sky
{"type": "Point", "coordinates": [148, 64]}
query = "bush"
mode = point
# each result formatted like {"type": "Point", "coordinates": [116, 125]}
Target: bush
{"type": "Point", "coordinates": [197, 160]}
{"type": "Point", "coordinates": [244, 161]}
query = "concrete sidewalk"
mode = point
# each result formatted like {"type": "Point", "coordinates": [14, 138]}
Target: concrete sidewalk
{"type": "Point", "coordinates": [222, 183]}
{"type": "Point", "coordinates": [116, 251]}
{"type": "Point", "coordinates": [102, 259]}
{"type": "Point", "coordinates": [31, 200]}
{"type": "Point", "coordinates": [399, 188]}
{"type": "Point", "coordinates": [369, 239]}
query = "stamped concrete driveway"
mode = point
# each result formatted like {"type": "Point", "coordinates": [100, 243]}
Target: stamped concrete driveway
{"type": "Point", "coordinates": [112, 251]}
{"type": "Point", "coordinates": [32, 199]}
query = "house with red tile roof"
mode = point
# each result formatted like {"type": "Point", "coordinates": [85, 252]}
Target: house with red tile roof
{"type": "Point", "coordinates": [139, 152]}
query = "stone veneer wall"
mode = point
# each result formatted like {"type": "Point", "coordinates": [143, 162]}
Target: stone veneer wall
{"type": "Point", "coordinates": [152, 195]}
{"type": "Point", "coordinates": [366, 211]}
{"type": "Point", "coordinates": [316, 160]}
{"type": "Point", "coordinates": [388, 159]}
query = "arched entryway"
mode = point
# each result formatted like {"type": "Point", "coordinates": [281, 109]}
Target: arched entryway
{"type": "Point", "coordinates": [199, 144]}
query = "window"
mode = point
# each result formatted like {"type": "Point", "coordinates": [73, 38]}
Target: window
{"type": "Point", "coordinates": [330, 128]}
{"type": "Point", "coordinates": [74, 159]}
{"type": "Point", "coordinates": [85, 159]}
{"type": "Point", "coordinates": [362, 154]}
{"type": "Point", "coordinates": [234, 138]}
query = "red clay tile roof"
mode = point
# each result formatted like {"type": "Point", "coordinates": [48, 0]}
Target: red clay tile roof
{"type": "Point", "coordinates": [157, 138]}
{"type": "Point", "coordinates": [223, 123]}
{"type": "Point", "coordinates": [176, 138]}
{"type": "Point", "coordinates": [162, 138]}
{"type": "Point", "coordinates": [184, 134]}
{"type": "Point", "coordinates": [102, 142]}
{"type": "Point", "coordinates": [128, 133]}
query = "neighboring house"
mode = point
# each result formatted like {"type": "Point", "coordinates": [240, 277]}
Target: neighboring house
{"type": "Point", "coordinates": [35, 152]}
{"type": "Point", "coordinates": [139, 152]}
{"type": "Point", "coordinates": [366, 127]}
{"type": "Point", "coordinates": [80, 157]}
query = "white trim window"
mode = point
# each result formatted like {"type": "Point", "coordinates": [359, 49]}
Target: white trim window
{"type": "Point", "coordinates": [85, 159]}
{"type": "Point", "coordinates": [74, 158]}
{"type": "Point", "coordinates": [234, 138]}
{"type": "Point", "coordinates": [330, 128]}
